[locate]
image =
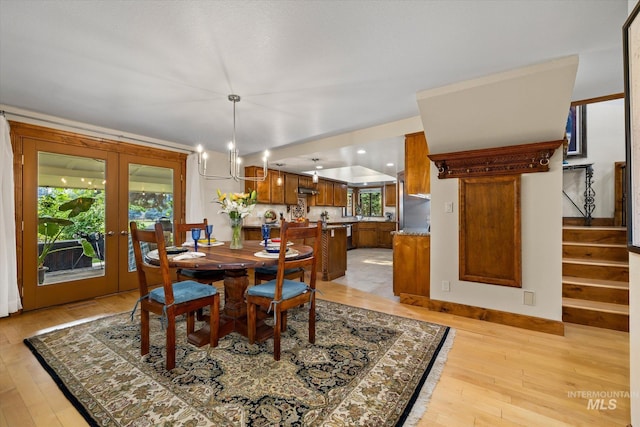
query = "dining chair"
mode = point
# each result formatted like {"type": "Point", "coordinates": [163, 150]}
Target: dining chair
{"type": "Point", "coordinates": [281, 294]}
{"type": "Point", "coordinates": [202, 276]}
{"type": "Point", "coordinates": [171, 299]}
{"type": "Point", "coordinates": [265, 274]}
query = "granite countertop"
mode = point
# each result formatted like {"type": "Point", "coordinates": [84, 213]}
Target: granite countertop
{"type": "Point", "coordinates": [413, 232]}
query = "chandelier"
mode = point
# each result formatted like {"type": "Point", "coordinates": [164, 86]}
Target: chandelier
{"type": "Point", "coordinates": [234, 159]}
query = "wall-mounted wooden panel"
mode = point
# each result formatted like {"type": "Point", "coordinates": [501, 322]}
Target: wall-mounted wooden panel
{"type": "Point", "coordinates": [490, 236]}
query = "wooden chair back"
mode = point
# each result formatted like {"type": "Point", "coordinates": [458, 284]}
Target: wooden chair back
{"type": "Point", "coordinates": [292, 231]}
{"type": "Point", "coordinates": [182, 232]}
{"type": "Point", "coordinates": [154, 237]}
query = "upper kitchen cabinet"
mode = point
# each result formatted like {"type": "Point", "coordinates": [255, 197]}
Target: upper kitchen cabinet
{"type": "Point", "coordinates": [416, 164]}
{"type": "Point", "coordinates": [263, 188]}
{"type": "Point", "coordinates": [390, 195]}
{"type": "Point", "coordinates": [305, 181]}
{"type": "Point", "coordinates": [339, 194]}
{"type": "Point", "coordinates": [325, 193]}
{"type": "Point", "coordinates": [277, 191]}
{"type": "Point", "coordinates": [290, 189]}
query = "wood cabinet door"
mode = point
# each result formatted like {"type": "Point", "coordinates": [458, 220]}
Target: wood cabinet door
{"type": "Point", "coordinates": [411, 265]}
{"type": "Point", "coordinates": [290, 189]}
{"type": "Point", "coordinates": [390, 195]}
{"type": "Point", "coordinates": [367, 236]}
{"type": "Point", "coordinates": [385, 239]}
{"type": "Point", "coordinates": [339, 194]}
{"type": "Point", "coordinates": [277, 191]}
{"type": "Point", "coordinates": [263, 188]}
{"type": "Point", "coordinates": [328, 193]}
{"type": "Point", "coordinates": [416, 164]}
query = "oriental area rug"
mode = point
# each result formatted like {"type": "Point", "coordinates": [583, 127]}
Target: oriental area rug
{"type": "Point", "coordinates": [365, 369]}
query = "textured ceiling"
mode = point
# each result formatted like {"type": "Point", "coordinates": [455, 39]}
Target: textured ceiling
{"type": "Point", "coordinates": [305, 70]}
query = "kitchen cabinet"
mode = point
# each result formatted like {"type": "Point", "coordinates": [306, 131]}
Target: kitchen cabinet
{"type": "Point", "coordinates": [411, 264]}
{"type": "Point", "coordinates": [385, 238]}
{"type": "Point", "coordinates": [255, 232]}
{"type": "Point", "coordinates": [290, 189]}
{"type": "Point", "coordinates": [416, 164]}
{"type": "Point", "coordinates": [373, 234]}
{"type": "Point", "coordinates": [325, 193]}
{"type": "Point", "coordinates": [334, 252]}
{"type": "Point", "coordinates": [277, 191]}
{"type": "Point", "coordinates": [305, 181]}
{"type": "Point", "coordinates": [339, 194]}
{"type": "Point", "coordinates": [263, 188]}
{"type": "Point", "coordinates": [367, 235]}
{"type": "Point", "coordinates": [390, 195]}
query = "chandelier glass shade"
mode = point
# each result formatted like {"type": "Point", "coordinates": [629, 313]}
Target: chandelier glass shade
{"type": "Point", "coordinates": [235, 162]}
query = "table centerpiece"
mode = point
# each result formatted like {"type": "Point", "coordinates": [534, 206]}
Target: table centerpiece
{"type": "Point", "coordinates": [237, 206]}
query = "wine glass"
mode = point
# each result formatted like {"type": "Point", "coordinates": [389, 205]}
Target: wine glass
{"type": "Point", "coordinates": [208, 231]}
{"type": "Point", "coordinates": [195, 235]}
{"type": "Point", "coordinates": [266, 232]}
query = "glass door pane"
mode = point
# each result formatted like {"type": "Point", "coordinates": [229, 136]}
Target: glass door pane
{"type": "Point", "coordinates": [150, 201]}
{"type": "Point", "coordinates": [71, 218]}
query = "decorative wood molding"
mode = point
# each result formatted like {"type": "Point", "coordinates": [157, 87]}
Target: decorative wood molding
{"type": "Point", "coordinates": [515, 159]}
{"type": "Point", "coordinates": [523, 321]}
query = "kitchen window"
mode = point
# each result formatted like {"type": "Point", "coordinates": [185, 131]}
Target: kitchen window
{"type": "Point", "coordinates": [370, 201]}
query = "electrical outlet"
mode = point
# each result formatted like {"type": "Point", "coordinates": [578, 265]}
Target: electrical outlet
{"type": "Point", "coordinates": [448, 207]}
{"type": "Point", "coordinates": [446, 286]}
{"type": "Point", "coordinates": [529, 298]}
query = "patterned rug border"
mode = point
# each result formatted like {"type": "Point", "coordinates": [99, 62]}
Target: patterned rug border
{"type": "Point", "coordinates": [410, 416]}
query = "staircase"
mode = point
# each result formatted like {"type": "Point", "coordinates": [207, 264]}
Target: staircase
{"type": "Point", "coordinates": [595, 277]}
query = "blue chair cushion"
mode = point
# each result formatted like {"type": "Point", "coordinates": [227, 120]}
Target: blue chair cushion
{"type": "Point", "coordinates": [290, 289]}
{"type": "Point", "coordinates": [184, 291]}
{"type": "Point", "coordinates": [274, 269]}
{"type": "Point", "coordinates": [202, 274]}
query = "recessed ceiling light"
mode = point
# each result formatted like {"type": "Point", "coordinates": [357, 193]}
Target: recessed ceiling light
{"type": "Point", "coordinates": [319, 167]}
{"type": "Point", "coordinates": [389, 164]}
{"type": "Point", "coordinates": [361, 151]}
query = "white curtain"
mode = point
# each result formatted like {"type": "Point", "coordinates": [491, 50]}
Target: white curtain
{"type": "Point", "coordinates": [194, 196]}
{"type": "Point", "coordinates": [9, 296]}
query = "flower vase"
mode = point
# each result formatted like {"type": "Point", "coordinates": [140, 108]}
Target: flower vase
{"type": "Point", "coordinates": [236, 233]}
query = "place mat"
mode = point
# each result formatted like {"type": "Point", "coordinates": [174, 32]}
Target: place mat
{"type": "Point", "coordinates": [264, 254]}
{"type": "Point", "coordinates": [186, 255]}
{"type": "Point", "coordinates": [204, 245]}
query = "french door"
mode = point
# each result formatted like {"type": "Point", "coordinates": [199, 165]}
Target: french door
{"type": "Point", "coordinates": [78, 197]}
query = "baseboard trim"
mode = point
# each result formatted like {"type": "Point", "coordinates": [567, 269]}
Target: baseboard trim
{"type": "Point", "coordinates": [539, 324]}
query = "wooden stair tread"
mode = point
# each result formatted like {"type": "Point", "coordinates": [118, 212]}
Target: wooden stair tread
{"type": "Point", "coordinates": [595, 282]}
{"type": "Point", "coordinates": [605, 307]}
{"type": "Point", "coordinates": [594, 227]}
{"type": "Point", "coordinates": [598, 262]}
{"type": "Point", "coordinates": [597, 245]}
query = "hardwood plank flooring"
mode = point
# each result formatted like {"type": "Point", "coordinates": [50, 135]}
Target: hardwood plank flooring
{"type": "Point", "coordinates": [495, 375]}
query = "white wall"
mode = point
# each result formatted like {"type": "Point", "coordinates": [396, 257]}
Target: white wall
{"type": "Point", "coordinates": [541, 248]}
{"type": "Point", "coordinates": [217, 162]}
{"type": "Point", "coordinates": [605, 146]}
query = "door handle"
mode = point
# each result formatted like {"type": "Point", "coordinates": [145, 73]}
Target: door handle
{"type": "Point", "coordinates": [111, 233]}
{"type": "Point", "coordinates": [124, 233]}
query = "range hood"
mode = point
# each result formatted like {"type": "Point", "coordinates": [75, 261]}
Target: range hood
{"type": "Point", "coordinates": [304, 190]}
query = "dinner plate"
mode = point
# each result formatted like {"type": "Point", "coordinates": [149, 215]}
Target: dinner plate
{"type": "Point", "coordinates": [273, 241]}
{"type": "Point", "coordinates": [176, 250]}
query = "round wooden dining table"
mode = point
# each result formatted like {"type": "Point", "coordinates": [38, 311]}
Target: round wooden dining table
{"type": "Point", "coordinates": [235, 263]}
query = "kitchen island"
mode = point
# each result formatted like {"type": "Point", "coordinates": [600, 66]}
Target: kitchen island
{"type": "Point", "coordinates": [332, 262]}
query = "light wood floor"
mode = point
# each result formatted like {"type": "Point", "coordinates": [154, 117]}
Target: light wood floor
{"type": "Point", "coordinates": [495, 375]}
